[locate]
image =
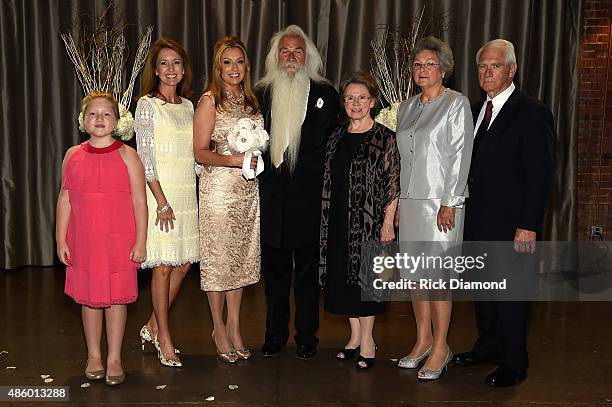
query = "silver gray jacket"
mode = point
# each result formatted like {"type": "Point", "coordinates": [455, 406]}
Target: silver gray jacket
{"type": "Point", "coordinates": [435, 143]}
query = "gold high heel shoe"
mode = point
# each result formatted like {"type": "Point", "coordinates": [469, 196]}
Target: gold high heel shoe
{"type": "Point", "coordinates": [229, 357]}
{"type": "Point", "coordinates": [174, 362]}
{"type": "Point", "coordinates": [169, 362]}
{"type": "Point", "coordinates": [145, 336]}
{"type": "Point", "coordinates": [245, 353]}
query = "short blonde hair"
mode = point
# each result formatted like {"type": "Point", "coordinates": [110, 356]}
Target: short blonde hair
{"type": "Point", "coordinates": [96, 94]}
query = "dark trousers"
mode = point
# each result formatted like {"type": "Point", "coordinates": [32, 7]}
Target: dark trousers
{"type": "Point", "coordinates": [502, 333]}
{"type": "Point", "coordinates": [278, 266]}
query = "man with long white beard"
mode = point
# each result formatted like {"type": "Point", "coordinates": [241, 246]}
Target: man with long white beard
{"type": "Point", "coordinates": [300, 110]}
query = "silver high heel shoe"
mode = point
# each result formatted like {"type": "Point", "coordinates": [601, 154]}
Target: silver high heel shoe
{"type": "Point", "coordinates": [426, 374]}
{"type": "Point", "coordinates": [145, 336]}
{"type": "Point", "coordinates": [412, 363]}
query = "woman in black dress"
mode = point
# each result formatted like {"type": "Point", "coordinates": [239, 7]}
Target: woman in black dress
{"type": "Point", "coordinates": [360, 192]}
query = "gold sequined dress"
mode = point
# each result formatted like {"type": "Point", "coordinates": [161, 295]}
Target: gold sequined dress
{"type": "Point", "coordinates": [229, 214]}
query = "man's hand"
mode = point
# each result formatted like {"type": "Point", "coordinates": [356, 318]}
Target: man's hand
{"type": "Point", "coordinates": [524, 241]}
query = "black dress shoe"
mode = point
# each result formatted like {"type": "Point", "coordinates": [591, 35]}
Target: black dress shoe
{"type": "Point", "coordinates": [468, 359]}
{"type": "Point", "coordinates": [504, 377]}
{"type": "Point", "coordinates": [305, 351]}
{"type": "Point", "coordinates": [271, 348]}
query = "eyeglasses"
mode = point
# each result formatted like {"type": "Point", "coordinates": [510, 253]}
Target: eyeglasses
{"type": "Point", "coordinates": [427, 65]}
{"type": "Point", "coordinates": [360, 99]}
{"type": "Point", "coordinates": [495, 66]}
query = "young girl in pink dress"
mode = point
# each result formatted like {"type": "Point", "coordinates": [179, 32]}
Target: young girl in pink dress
{"type": "Point", "coordinates": [101, 232]}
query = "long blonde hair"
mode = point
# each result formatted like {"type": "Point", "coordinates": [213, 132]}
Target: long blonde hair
{"type": "Point", "coordinates": [216, 84]}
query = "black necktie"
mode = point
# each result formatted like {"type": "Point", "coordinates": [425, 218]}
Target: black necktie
{"type": "Point", "coordinates": [484, 125]}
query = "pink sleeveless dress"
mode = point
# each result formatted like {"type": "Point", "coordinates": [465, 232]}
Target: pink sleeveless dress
{"type": "Point", "coordinates": [101, 229]}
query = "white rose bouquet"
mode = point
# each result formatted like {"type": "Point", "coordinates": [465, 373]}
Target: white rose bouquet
{"type": "Point", "coordinates": [249, 138]}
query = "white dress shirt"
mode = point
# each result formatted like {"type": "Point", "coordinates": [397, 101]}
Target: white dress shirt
{"type": "Point", "coordinates": [498, 103]}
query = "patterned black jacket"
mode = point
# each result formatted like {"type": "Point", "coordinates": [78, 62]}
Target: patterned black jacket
{"type": "Point", "coordinates": [373, 185]}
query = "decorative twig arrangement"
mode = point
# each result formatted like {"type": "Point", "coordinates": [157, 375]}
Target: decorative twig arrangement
{"type": "Point", "coordinates": [391, 65]}
{"type": "Point", "coordinates": [99, 59]}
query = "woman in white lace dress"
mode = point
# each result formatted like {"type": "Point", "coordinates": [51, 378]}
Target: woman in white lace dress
{"type": "Point", "coordinates": [164, 135]}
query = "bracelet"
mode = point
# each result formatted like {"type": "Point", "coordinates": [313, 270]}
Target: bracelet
{"type": "Point", "coordinates": [164, 208]}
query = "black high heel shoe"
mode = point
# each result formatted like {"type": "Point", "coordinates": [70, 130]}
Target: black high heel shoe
{"type": "Point", "coordinates": [347, 353]}
{"type": "Point", "coordinates": [367, 362]}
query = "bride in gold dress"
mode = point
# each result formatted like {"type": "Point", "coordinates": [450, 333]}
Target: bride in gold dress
{"type": "Point", "coordinates": [229, 204]}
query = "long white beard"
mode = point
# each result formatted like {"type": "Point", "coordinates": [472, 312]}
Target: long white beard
{"type": "Point", "coordinates": [288, 108]}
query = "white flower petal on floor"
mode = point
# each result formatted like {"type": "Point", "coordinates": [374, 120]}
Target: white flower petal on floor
{"type": "Point", "coordinates": [86, 384]}
{"type": "Point", "coordinates": [44, 376]}
{"type": "Point", "coordinates": [160, 387]}
{"type": "Point", "coordinates": [233, 386]}
{"type": "Point", "coordinates": [48, 380]}
{"type": "Point", "coordinates": [210, 398]}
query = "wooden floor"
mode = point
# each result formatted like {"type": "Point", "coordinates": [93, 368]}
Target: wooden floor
{"type": "Point", "coordinates": [570, 347]}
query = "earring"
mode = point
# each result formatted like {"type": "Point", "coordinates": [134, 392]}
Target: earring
{"type": "Point", "coordinates": [183, 72]}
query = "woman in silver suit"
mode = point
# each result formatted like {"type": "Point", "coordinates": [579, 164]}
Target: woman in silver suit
{"type": "Point", "coordinates": [434, 136]}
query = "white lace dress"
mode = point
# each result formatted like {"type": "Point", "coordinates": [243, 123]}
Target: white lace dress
{"type": "Point", "coordinates": [164, 137]}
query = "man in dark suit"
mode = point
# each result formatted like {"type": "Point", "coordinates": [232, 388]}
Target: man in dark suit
{"type": "Point", "coordinates": [509, 183]}
{"type": "Point", "coordinates": [300, 110]}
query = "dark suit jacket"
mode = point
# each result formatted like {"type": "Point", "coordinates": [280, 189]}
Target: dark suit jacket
{"type": "Point", "coordinates": [511, 173]}
{"type": "Point", "coordinates": [291, 203]}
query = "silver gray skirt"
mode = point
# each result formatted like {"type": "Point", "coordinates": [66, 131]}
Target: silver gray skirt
{"type": "Point", "coordinates": [418, 222]}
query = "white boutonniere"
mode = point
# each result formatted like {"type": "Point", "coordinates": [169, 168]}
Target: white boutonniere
{"type": "Point", "coordinates": [319, 103]}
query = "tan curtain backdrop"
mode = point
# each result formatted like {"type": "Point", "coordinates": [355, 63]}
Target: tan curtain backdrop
{"type": "Point", "coordinates": [41, 94]}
